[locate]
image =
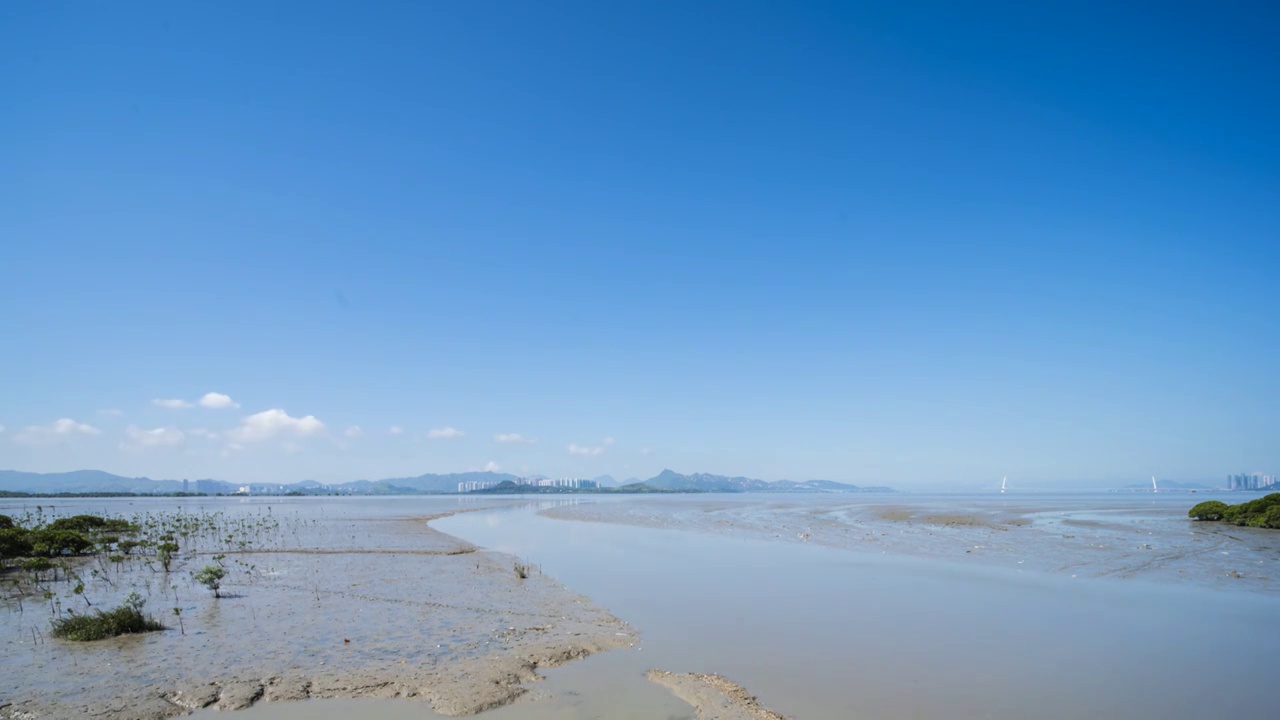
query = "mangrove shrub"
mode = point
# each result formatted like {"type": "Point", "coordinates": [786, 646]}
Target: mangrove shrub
{"type": "Point", "coordinates": [1208, 510]}
{"type": "Point", "coordinates": [99, 625]}
{"type": "Point", "coordinates": [1261, 513]}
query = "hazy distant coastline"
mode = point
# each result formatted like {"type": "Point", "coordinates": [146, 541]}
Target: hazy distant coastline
{"type": "Point", "coordinates": [89, 483]}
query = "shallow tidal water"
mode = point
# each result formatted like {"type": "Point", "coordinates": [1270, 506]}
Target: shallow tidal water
{"type": "Point", "coordinates": [877, 607]}
{"type": "Point", "coordinates": [824, 632]}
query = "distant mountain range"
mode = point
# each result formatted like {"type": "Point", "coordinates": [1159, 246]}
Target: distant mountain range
{"type": "Point", "coordinates": [97, 481]}
{"type": "Point", "coordinates": [705, 482]}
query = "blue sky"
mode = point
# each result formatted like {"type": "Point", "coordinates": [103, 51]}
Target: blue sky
{"type": "Point", "coordinates": [907, 243]}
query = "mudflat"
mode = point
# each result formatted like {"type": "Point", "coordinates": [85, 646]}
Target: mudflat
{"type": "Point", "coordinates": [331, 603]}
{"type": "Point", "coordinates": [1082, 535]}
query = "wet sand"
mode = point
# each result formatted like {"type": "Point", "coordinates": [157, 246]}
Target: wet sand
{"type": "Point", "coordinates": [1085, 537]}
{"type": "Point", "coordinates": [350, 607]}
{"type": "Point", "coordinates": [713, 697]}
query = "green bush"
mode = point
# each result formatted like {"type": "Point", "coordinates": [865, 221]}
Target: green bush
{"type": "Point", "coordinates": [1273, 517]}
{"type": "Point", "coordinates": [91, 523]}
{"type": "Point", "coordinates": [51, 542]}
{"type": "Point", "coordinates": [1261, 513]}
{"type": "Point", "coordinates": [78, 523]}
{"type": "Point", "coordinates": [6, 522]}
{"type": "Point", "coordinates": [99, 625]}
{"type": "Point", "coordinates": [14, 543]}
{"type": "Point", "coordinates": [37, 565]}
{"type": "Point", "coordinates": [1208, 510]}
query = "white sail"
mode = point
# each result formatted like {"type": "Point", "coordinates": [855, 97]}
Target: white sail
{"type": "Point", "coordinates": [1154, 488]}
{"type": "Point", "coordinates": [1004, 484]}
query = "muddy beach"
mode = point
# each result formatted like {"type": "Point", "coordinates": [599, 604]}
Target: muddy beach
{"type": "Point", "coordinates": [335, 603]}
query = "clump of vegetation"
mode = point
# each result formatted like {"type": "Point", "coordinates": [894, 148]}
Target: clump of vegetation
{"type": "Point", "coordinates": [90, 524]}
{"type": "Point", "coordinates": [14, 543]}
{"type": "Point", "coordinates": [55, 542]}
{"type": "Point", "coordinates": [1261, 513]}
{"type": "Point", "coordinates": [522, 570]}
{"type": "Point", "coordinates": [99, 625]}
{"type": "Point", "coordinates": [211, 576]}
{"type": "Point", "coordinates": [1208, 510]}
{"type": "Point", "coordinates": [69, 560]}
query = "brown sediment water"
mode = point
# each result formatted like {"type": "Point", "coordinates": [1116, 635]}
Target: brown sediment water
{"type": "Point", "coordinates": [345, 600]}
{"type": "Point", "coordinates": [790, 602]}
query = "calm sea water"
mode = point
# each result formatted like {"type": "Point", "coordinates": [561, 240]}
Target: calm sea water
{"type": "Point", "coordinates": [819, 632]}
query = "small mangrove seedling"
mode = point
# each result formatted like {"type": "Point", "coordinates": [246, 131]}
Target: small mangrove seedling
{"type": "Point", "coordinates": [522, 570]}
{"type": "Point", "coordinates": [211, 576]}
{"type": "Point", "coordinates": [165, 552]}
{"type": "Point", "coordinates": [177, 612]}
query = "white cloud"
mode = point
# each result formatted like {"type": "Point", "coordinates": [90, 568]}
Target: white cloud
{"type": "Point", "coordinates": [111, 412]}
{"type": "Point", "coordinates": [396, 430]}
{"type": "Point", "coordinates": [171, 403]}
{"type": "Point", "coordinates": [646, 451]}
{"type": "Point", "coordinates": [609, 441]}
{"type": "Point", "coordinates": [576, 449]}
{"type": "Point", "coordinates": [491, 466]}
{"type": "Point", "coordinates": [54, 431]}
{"type": "Point", "coordinates": [353, 432]}
{"type": "Point", "coordinates": [218, 400]}
{"type": "Point", "coordinates": [272, 423]}
{"type": "Point", "coordinates": [139, 439]}
{"type": "Point", "coordinates": [513, 438]}
{"type": "Point", "coordinates": [202, 433]}
{"type": "Point", "coordinates": [445, 433]}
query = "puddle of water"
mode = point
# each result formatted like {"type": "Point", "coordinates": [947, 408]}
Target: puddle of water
{"type": "Point", "coordinates": [823, 633]}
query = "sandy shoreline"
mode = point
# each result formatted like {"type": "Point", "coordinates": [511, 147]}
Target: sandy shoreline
{"type": "Point", "coordinates": [362, 608]}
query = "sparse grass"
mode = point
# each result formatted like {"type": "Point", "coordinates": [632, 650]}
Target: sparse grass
{"type": "Point", "coordinates": [522, 570]}
{"type": "Point", "coordinates": [99, 625]}
{"type": "Point", "coordinates": [80, 558]}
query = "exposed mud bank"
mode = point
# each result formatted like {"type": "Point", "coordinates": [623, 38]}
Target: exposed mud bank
{"type": "Point", "coordinates": [1120, 538]}
{"type": "Point", "coordinates": [356, 608]}
{"type": "Point", "coordinates": [714, 697]}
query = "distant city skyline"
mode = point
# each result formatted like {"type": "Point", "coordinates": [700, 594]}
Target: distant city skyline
{"type": "Point", "coordinates": [905, 244]}
{"type": "Point", "coordinates": [1249, 481]}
